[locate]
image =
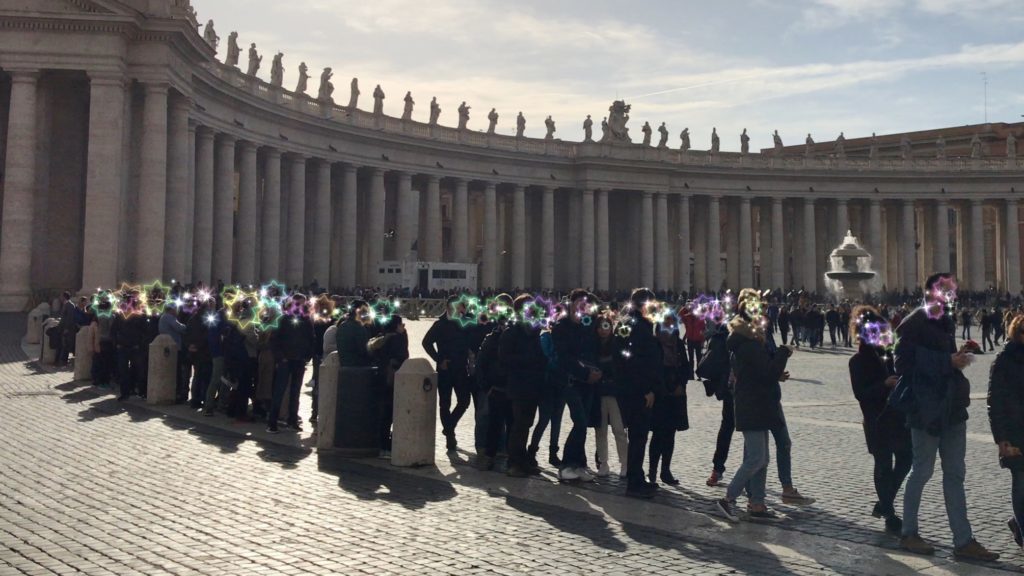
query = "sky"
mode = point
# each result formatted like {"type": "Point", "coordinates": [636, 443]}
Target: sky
{"type": "Point", "coordinates": [796, 66]}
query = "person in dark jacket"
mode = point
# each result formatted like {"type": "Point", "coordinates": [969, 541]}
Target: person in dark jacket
{"type": "Point", "coordinates": [714, 369]}
{"type": "Point", "coordinates": [784, 324]}
{"type": "Point", "coordinates": [758, 401]}
{"type": "Point", "coordinates": [669, 413]}
{"type": "Point", "coordinates": [67, 328]}
{"type": "Point", "coordinates": [292, 346]}
{"type": "Point", "coordinates": [1006, 417]}
{"type": "Point", "coordinates": [447, 343]}
{"type": "Point", "coordinates": [129, 336]}
{"type": "Point", "coordinates": [389, 351]}
{"type": "Point", "coordinates": [834, 328]}
{"type": "Point", "coordinates": [491, 380]}
{"type": "Point", "coordinates": [929, 364]}
{"type": "Point", "coordinates": [352, 336]}
{"type": "Point", "coordinates": [643, 375]}
{"type": "Point", "coordinates": [606, 393]}
{"type": "Point", "coordinates": [873, 377]}
{"type": "Point", "coordinates": [524, 364]}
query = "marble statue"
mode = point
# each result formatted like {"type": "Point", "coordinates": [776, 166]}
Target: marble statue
{"type": "Point", "coordinates": [808, 146]}
{"type": "Point", "coordinates": [663, 141]}
{"type": "Point", "coordinates": [353, 100]}
{"type": "Point", "coordinates": [744, 142]}
{"type": "Point", "coordinates": [549, 124]}
{"type": "Point", "coordinates": [906, 148]}
{"type": "Point", "coordinates": [210, 35]}
{"type": "Point", "coordinates": [976, 147]}
{"type": "Point", "coordinates": [1011, 146]}
{"type": "Point", "coordinates": [409, 103]}
{"type": "Point", "coordinates": [840, 146]}
{"type": "Point", "coordinates": [492, 120]}
{"type": "Point", "coordinates": [520, 125]}
{"type": "Point", "coordinates": [777, 142]}
{"type": "Point", "coordinates": [254, 60]}
{"type": "Point", "coordinates": [606, 130]}
{"type": "Point", "coordinates": [326, 87]}
{"type": "Point", "coordinates": [277, 70]}
{"type": "Point", "coordinates": [588, 129]}
{"type": "Point", "coordinates": [716, 143]}
{"type": "Point", "coordinates": [940, 147]}
{"type": "Point", "coordinates": [301, 87]}
{"type": "Point", "coordinates": [435, 111]}
{"type": "Point", "coordinates": [618, 117]}
{"type": "Point", "coordinates": [233, 50]}
{"type": "Point", "coordinates": [378, 101]}
{"type": "Point", "coordinates": [647, 133]}
{"type": "Point", "coordinates": [463, 115]}
{"type": "Point", "coordinates": [684, 136]}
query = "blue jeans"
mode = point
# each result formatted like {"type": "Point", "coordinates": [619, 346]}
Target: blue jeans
{"type": "Point", "coordinates": [552, 406]}
{"type": "Point", "coordinates": [783, 452]}
{"type": "Point", "coordinates": [752, 475]}
{"type": "Point", "coordinates": [952, 448]}
{"type": "Point", "coordinates": [577, 400]}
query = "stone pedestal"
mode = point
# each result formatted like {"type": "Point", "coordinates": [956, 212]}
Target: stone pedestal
{"type": "Point", "coordinates": [83, 354]}
{"type": "Point", "coordinates": [161, 387]}
{"type": "Point", "coordinates": [415, 413]}
{"type": "Point", "coordinates": [34, 332]}
{"type": "Point", "coordinates": [327, 402]}
{"type": "Point", "coordinates": [47, 355]}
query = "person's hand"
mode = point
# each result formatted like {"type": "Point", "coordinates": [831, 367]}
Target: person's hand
{"type": "Point", "coordinates": [784, 376]}
{"type": "Point", "coordinates": [1007, 450]}
{"type": "Point", "coordinates": [401, 328]}
{"type": "Point", "coordinates": [891, 381]}
{"type": "Point", "coordinates": [649, 399]}
{"type": "Point", "coordinates": [960, 360]}
{"type": "Point", "coordinates": [594, 377]}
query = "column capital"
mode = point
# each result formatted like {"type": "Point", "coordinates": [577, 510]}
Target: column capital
{"type": "Point", "coordinates": [588, 192]}
{"type": "Point", "coordinates": [776, 200]}
{"type": "Point", "coordinates": [405, 176]}
{"type": "Point", "coordinates": [247, 146]}
{"type": "Point", "coordinates": [205, 132]}
{"type": "Point", "coordinates": [432, 179]}
{"type": "Point", "coordinates": [272, 152]}
{"type": "Point", "coordinates": [227, 139]}
{"type": "Point", "coordinates": [491, 186]}
{"type": "Point", "coordinates": [977, 201]}
{"type": "Point", "coordinates": [106, 78]}
{"type": "Point", "coordinates": [23, 75]}
{"type": "Point", "coordinates": [156, 87]}
{"type": "Point", "coordinates": [908, 201]}
{"type": "Point", "coordinates": [745, 200]}
{"type": "Point", "coordinates": [875, 201]}
{"type": "Point", "coordinates": [1011, 201]}
{"type": "Point", "coordinates": [350, 169]}
{"type": "Point", "coordinates": [297, 158]}
{"type": "Point", "coordinates": [841, 201]}
{"type": "Point", "coordinates": [809, 200]}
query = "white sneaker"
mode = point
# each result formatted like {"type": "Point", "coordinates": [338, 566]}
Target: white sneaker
{"type": "Point", "coordinates": [584, 474]}
{"type": "Point", "coordinates": [568, 474]}
{"type": "Point", "coordinates": [603, 471]}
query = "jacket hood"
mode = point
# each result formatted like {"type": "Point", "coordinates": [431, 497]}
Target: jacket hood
{"type": "Point", "coordinates": [749, 329]}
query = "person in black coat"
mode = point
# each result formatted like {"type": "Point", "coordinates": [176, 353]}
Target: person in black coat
{"type": "Point", "coordinates": [448, 345]}
{"type": "Point", "coordinates": [524, 365]}
{"type": "Point", "coordinates": [873, 377]}
{"type": "Point", "coordinates": [642, 375]}
{"type": "Point", "coordinates": [669, 414]}
{"type": "Point", "coordinates": [389, 351]}
{"type": "Point", "coordinates": [292, 346]}
{"type": "Point", "coordinates": [714, 370]}
{"type": "Point", "coordinates": [1006, 416]}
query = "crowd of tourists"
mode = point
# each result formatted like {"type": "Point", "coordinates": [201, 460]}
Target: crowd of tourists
{"type": "Point", "coordinates": [618, 364]}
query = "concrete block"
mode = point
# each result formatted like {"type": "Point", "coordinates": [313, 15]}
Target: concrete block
{"type": "Point", "coordinates": [162, 384]}
{"type": "Point", "coordinates": [47, 355]}
{"type": "Point", "coordinates": [39, 314]}
{"type": "Point", "coordinates": [415, 413]}
{"type": "Point", "coordinates": [328, 402]}
{"type": "Point", "coordinates": [83, 354]}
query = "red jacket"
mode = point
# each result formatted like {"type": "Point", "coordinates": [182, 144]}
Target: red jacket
{"type": "Point", "coordinates": [694, 327]}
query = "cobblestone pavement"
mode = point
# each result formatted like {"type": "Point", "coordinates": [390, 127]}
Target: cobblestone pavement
{"type": "Point", "coordinates": [93, 486]}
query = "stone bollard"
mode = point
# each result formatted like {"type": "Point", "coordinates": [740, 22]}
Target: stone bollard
{"type": "Point", "coordinates": [34, 333]}
{"type": "Point", "coordinates": [83, 354]}
{"type": "Point", "coordinates": [47, 355]}
{"type": "Point", "coordinates": [162, 385]}
{"type": "Point", "coordinates": [414, 428]}
{"type": "Point", "coordinates": [328, 402]}
{"type": "Point", "coordinates": [356, 429]}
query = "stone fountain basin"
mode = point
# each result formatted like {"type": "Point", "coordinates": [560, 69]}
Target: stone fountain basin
{"type": "Point", "coordinates": [839, 275]}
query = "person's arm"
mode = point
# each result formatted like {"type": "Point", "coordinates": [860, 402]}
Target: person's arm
{"type": "Point", "coordinates": [567, 362]}
{"type": "Point", "coordinates": [430, 342]}
{"type": "Point", "coordinates": [1001, 416]}
{"type": "Point", "coordinates": [866, 389]}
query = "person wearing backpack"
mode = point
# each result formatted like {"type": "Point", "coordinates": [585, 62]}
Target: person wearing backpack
{"type": "Point", "coordinates": [714, 371]}
{"type": "Point", "coordinates": [490, 380]}
{"type": "Point", "coordinates": [1006, 417]}
{"type": "Point", "coordinates": [524, 364]}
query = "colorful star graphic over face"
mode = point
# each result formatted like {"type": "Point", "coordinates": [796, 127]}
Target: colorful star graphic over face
{"type": "Point", "coordinates": [103, 304]}
{"type": "Point", "coordinates": [941, 299]}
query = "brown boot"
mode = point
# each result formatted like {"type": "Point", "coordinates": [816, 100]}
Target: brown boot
{"type": "Point", "coordinates": [974, 551]}
{"type": "Point", "coordinates": [914, 543]}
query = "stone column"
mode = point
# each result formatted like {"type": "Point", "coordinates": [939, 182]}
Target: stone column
{"type": "Point", "coordinates": [295, 255]}
{"type": "Point", "coordinates": [746, 255]}
{"type": "Point", "coordinates": [732, 244]}
{"type": "Point", "coordinates": [874, 239]}
{"type": "Point", "coordinates": [764, 243]}
{"type": "Point", "coordinates": [662, 248]}
{"type": "Point", "coordinates": [714, 252]}
{"type": "Point", "coordinates": [190, 222]}
{"type": "Point", "coordinates": [430, 243]}
{"type": "Point", "coordinates": [149, 260]}
{"type": "Point", "coordinates": [270, 228]}
{"type": "Point", "coordinates": [547, 235]}
{"type": "Point", "coordinates": [519, 237]}
{"type": "Point", "coordinates": [349, 227]}
{"type": "Point", "coordinates": [842, 220]}
{"type": "Point", "coordinates": [941, 258]}
{"type": "Point", "coordinates": [102, 182]}
{"type": "Point", "coordinates": [202, 240]}
{"type": "Point", "coordinates": [908, 239]}
{"type": "Point", "coordinates": [587, 248]}
{"type": "Point", "coordinates": [375, 226]}
{"type": "Point", "coordinates": [603, 257]}
{"type": "Point", "coordinates": [683, 280]}
{"type": "Point", "coordinates": [778, 248]}
{"type": "Point", "coordinates": [810, 256]}
{"type": "Point", "coordinates": [490, 259]}
{"type": "Point", "coordinates": [321, 271]}
{"type": "Point", "coordinates": [1013, 285]}
{"type": "Point", "coordinates": [977, 246]}
{"type": "Point", "coordinates": [460, 221]}
{"type": "Point", "coordinates": [572, 257]}
{"type": "Point", "coordinates": [408, 217]}
{"type": "Point", "coordinates": [699, 240]}
{"type": "Point", "coordinates": [224, 210]}
{"type": "Point", "coordinates": [177, 190]}
{"type": "Point", "coordinates": [248, 210]}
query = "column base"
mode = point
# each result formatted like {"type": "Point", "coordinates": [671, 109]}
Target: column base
{"type": "Point", "coordinates": [14, 301]}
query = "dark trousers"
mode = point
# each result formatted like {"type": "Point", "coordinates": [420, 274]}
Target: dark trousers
{"type": "Point", "coordinates": [316, 389]}
{"type": "Point", "coordinates": [130, 371]}
{"type": "Point", "coordinates": [725, 430]}
{"type": "Point", "coordinates": [694, 349]}
{"type": "Point", "coordinates": [182, 376]}
{"type": "Point", "coordinates": [986, 339]}
{"type": "Point", "coordinates": [663, 444]}
{"type": "Point", "coordinates": [385, 414]}
{"type": "Point", "coordinates": [245, 372]}
{"type": "Point", "coordinates": [447, 382]}
{"type": "Point", "coordinates": [499, 422]}
{"type": "Point", "coordinates": [1017, 495]}
{"type": "Point", "coordinates": [891, 468]}
{"type": "Point", "coordinates": [784, 330]}
{"type": "Point", "coordinates": [523, 413]}
{"type": "Point", "coordinates": [287, 378]}
{"type": "Point", "coordinates": [578, 400]}
{"type": "Point", "coordinates": [832, 334]}
{"type": "Point", "coordinates": [637, 417]}
{"type": "Point", "coordinates": [551, 410]}
{"type": "Point", "coordinates": [103, 364]}
{"type": "Point", "coordinates": [965, 334]}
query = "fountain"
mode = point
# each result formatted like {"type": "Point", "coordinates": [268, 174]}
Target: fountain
{"type": "Point", "coordinates": [850, 275]}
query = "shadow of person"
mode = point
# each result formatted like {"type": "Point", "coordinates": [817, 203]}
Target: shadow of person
{"type": "Point", "coordinates": [586, 524]}
{"type": "Point", "coordinates": [368, 482]}
{"type": "Point", "coordinates": [287, 457]}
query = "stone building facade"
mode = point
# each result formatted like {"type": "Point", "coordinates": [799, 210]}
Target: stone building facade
{"type": "Point", "coordinates": [131, 152]}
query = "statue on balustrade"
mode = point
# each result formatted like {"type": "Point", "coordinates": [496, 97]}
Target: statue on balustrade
{"type": "Point", "coordinates": [210, 35]}
{"type": "Point", "coordinates": [409, 103]}
{"type": "Point", "coordinates": [906, 147]}
{"type": "Point", "coordinates": [378, 101]}
{"type": "Point", "coordinates": [940, 148]}
{"type": "Point", "coordinates": [520, 125]}
{"type": "Point", "coordinates": [684, 136]}
{"type": "Point", "coordinates": [606, 130]}
{"type": "Point", "coordinates": [663, 140]}
{"type": "Point", "coordinates": [646, 130]}
{"type": "Point", "coordinates": [300, 88]}
{"type": "Point", "coordinates": [277, 70]}
{"type": "Point", "coordinates": [744, 142]}
{"type": "Point", "coordinates": [463, 115]}
{"type": "Point", "coordinates": [840, 146]}
{"type": "Point", "coordinates": [777, 142]}
{"type": "Point", "coordinates": [326, 92]}
{"type": "Point", "coordinates": [492, 120]}
{"type": "Point", "coordinates": [976, 147]}
{"type": "Point", "coordinates": [353, 100]}
{"type": "Point", "coordinates": [716, 143]}
{"type": "Point", "coordinates": [588, 129]}
{"type": "Point", "coordinates": [550, 125]}
{"type": "Point", "coordinates": [254, 60]}
{"type": "Point", "coordinates": [1011, 146]}
{"type": "Point", "coordinates": [435, 111]}
{"type": "Point", "coordinates": [233, 50]}
{"type": "Point", "coordinates": [808, 146]}
{"type": "Point", "coordinates": [618, 117]}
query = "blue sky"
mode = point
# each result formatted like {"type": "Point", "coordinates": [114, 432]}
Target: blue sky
{"type": "Point", "coordinates": [798, 66]}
